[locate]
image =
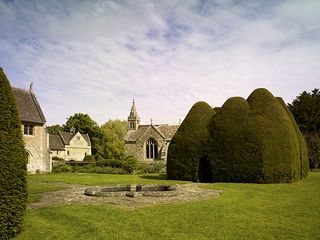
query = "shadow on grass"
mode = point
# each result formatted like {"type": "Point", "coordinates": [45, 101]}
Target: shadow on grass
{"type": "Point", "coordinates": [155, 177]}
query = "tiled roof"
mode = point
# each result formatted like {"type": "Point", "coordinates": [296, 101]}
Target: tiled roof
{"type": "Point", "coordinates": [167, 131]}
{"type": "Point", "coordinates": [55, 142]}
{"type": "Point", "coordinates": [134, 135]}
{"type": "Point", "coordinates": [66, 137]}
{"type": "Point", "coordinates": [28, 106]}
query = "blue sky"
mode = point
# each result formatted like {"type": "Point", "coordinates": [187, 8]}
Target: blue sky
{"type": "Point", "coordinates": [96, 56]}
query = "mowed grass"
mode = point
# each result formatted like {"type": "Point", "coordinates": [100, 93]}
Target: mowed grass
{"type": "Point", "coordinates": [244, 211]}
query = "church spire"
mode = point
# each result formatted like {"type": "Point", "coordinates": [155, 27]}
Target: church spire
{"type": "Point", "coordinates": [133, 119]}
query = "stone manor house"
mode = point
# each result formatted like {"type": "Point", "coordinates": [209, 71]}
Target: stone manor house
{"type": "Point", "coordinates": [39, 146]}
{"type": "Point", "coordinates": [148, 143]}
{"type": "Point", "coordinates": [35, 136]}
{"type": "Point", "coordinates": [70, 145]}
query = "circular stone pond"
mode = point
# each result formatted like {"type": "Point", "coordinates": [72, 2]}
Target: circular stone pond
{"type": "Point", "coordinates": [133, 190]}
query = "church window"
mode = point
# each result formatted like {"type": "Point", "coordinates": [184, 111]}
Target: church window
{"type": "Point", "coordinates": [27, 129]}
{"type": "Point", "coordinates": [151, 149]}
{"type": "Point", "coordinates": [28, 156]}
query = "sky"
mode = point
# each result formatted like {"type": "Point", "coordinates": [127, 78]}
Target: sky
{"type": "Point", "coordinates": [95, 57]}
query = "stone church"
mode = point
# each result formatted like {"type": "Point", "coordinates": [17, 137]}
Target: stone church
{"type": "Point", "coordinates": [148, 143]}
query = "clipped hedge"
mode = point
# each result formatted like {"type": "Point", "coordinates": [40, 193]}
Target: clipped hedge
{"type": "Point", "coordinates": [187, 146]}
{"type": "Point", "coordinates": [13, 162]}
{"type": "Point", "coordinates": [254, 140]}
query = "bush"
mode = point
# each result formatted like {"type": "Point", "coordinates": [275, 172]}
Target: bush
{"type": "Point", "coordinates": [253, 140]}
{"type": "Point", "coordinates": [13, 164]}
{"type": "Point", "coordinates": [110, 163]}
{"type": "Point", "coordinates": [89, 158]}
{"type": "Point", "coordinates": [131, 164]}
{"type": "Point", "coordinates": [62, 168]}
{"type": "Point", "coordinates": [152, 168]}
{"type": "Point", "coordinates": [187, 148]}
{"type": "Point", "coordinates": [57, 158]}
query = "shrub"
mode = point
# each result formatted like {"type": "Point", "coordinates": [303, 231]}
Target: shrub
{"type": "Point", "coordinates": [57, 158]}
{"type": "Point", "coordinates": [131, 164]}
{"type": "Point", "coordinates": [89, 158]}
{"type": "Point", "coordinates": [62, 168]}
{"type": "Point", "coordinates": [187, 149]}
{"type": "Point", "coordinates": [110, 163]}
{"type": "Point", "coordinates": [254, 141]}
{"type": "Point", "coordinates": [152, 167]}
{"type": "Point", "coordinates": [13, 162]}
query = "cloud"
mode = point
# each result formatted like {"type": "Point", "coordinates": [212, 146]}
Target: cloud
{"type": "Point", "coordinates": [96, 56]}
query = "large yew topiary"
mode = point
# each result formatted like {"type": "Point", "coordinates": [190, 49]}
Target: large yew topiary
{"type": "Point", "coordinates": [255, 141]}
{"type": "Point", "coordinates": [13, 193]}
{"type": "Point", "coordinates": [303, 148]}
{"type": "Point", "coordinates": [187, 150]}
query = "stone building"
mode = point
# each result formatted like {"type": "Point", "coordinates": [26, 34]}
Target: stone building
{"type": "Point", "coordinates": [148, 143]}
{"type": "Point", "coordinates": [35, 136]}
{"type": "Point", "coordinates": [70, 145]}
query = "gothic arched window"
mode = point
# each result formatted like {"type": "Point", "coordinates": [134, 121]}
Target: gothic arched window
{"type": "Point", "coordinates": [151, 149]}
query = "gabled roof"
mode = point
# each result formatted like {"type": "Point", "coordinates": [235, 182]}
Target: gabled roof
{"type": "Point", "coordinates": [28, 106]}
{"type": "Point", "coordinates": [57, 142]}
{"type": "Point", "coordinates": [165, 130]}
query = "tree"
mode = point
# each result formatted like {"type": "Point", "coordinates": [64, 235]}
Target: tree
{"type": "Point", "coordinates": [84, 124]}
{"type": "Point", "coordinates": [13, 164]}
{"type": "Point", "coordinates": [306, 110]}
{"type": "Point", "coordinates": [114, 132]}
{"type": "Point", "coordinates": [54, 129]}
{"type": "Point", "coordinates": [313, 142]}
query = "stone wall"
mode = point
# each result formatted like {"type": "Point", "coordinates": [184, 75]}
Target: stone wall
{"type": "Point", "coordinates": [38, 152]}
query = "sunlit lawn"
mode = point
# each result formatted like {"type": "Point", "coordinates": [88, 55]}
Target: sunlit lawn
{"type": "Point", "coordinates": [244, 211]}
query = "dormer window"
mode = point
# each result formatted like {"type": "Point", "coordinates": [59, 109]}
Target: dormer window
{"type": "Point", "coordinates": [28, 129]}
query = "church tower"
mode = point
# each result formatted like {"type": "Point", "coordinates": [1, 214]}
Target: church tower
{"type": "Point", "coordinates": [133, 119]}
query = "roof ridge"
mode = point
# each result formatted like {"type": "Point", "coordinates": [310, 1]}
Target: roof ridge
{"type": "Point", "coordinates": [34, 98]}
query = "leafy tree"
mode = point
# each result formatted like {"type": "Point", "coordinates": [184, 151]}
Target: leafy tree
{"type": "Point", "coordinates": [54, 129]}
{"type": "Point", "coordinates": [84, 124]}
{"type": "Point", "coordinates": [114, 132]}
{"type": "Point", "coordinates": [306, 110]}
{"type": "Point", "coordinates": [313, 142]}
{"type": "Point", "coordinates": [13, 164]}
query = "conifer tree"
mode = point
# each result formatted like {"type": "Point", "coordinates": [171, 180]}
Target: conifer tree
{"type": "Point", "coordinates": [13, 161]}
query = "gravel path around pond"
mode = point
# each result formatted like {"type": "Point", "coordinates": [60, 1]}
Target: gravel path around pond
{"type": "Point", "coordinates": [74, 194]}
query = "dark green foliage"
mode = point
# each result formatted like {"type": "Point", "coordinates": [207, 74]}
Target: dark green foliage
{"type": "Point", "coordinates": [54, 129]}
{"type": "Point", "coordinates": [156, 167]}
{"type": "Point", "coordinates": [313, 142]}
{"type": "Point", "coordinates": [62, 168]}
{"type": "Point", "coordinates": [189, 144]}
{"type": "Point", "coordinates": [110, 163]}
{"type": "Point", "coordinates": [13, 161]}
{"type": "Point", "coordinates": [306, 110]}
{"type": "Point", "coordinates": [131, 164]}
{"type": "Point", "coordinates": [57, 158]}
{"type": "Point", "coordinates": [89, 158]}
{"type": "Point", "coordinates": [253, 140]}
{"type": "Point", "coordinates": [303, 148]}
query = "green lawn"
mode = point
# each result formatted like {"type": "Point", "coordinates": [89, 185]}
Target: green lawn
{"type": "Point", "coordinates": [244, 211]}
